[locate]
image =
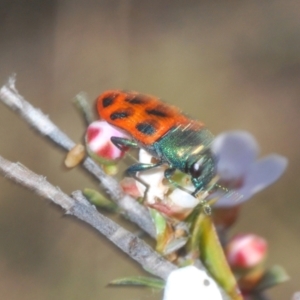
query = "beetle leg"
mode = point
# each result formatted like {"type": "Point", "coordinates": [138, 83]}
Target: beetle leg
{"type": "Point", "coordinates": [123, 143]}
{"type": "Point", "coordinates": [140, 167]}
{"type": "Point", "coordinates": [196, 191]}
{"type": "Point", "coordinates": [168, 175]}
{"type": "Point", "coordinates": [204, 203]}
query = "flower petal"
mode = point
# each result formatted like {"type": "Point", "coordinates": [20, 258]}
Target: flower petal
{"type": "Point", "coordinates": [235, 152]}
{"type": "Point", "coordinates": [145, 157]}
{"type": "Point", "coordinates": [231, 198]}
{"type": "Point", "coordinates": [153, 177]}
{"type": "Point", "coordinates": [130, 187]}
{"type": "Point", "coordinates": [183, 199]}
{"type": "Point", "coordinates": [190, 283]}
{"type": "Point", "coordinates": [261, 174]}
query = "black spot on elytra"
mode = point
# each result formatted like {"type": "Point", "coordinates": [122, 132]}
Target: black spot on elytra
{"type": "Point", "coordinates": [121, 114]}
{"type": "Point", "coordinates": [147, 128]}
{"type": "Point", "coordinates": [109, 100]}
{"type": "Point", "coordinates": [138, 99]}
{"type": "Point", "coordinates": [156, 112]}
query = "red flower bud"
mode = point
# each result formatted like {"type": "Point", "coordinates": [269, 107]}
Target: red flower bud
{"type": "Point", "coordinates": [98, 138]}
{"type": "Point", "coordinates": [246, 251]}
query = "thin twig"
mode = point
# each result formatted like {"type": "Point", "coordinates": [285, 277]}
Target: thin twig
{"type": "Point", "coordinates": [135, 212]}
{"type": "Point", "coordinates": [79, 207]}
{"type": "Point", "coordinates": [84, 108]}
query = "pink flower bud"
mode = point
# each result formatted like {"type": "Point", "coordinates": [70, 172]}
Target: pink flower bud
{"type": "Point", "coordinates": [246, 251]}
{"type": "Point", "coordinates": [98, 138]}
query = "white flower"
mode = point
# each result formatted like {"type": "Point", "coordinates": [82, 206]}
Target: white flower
{"type": "Point", "coordinates": [154, 177]}
{"type": "Point", "coordinates": [183, 199]}
{"type": "Point", "coordinates": [190, 283]}
{"type": "Point", "coordinates": [175, 203]}
{"type": "Point", "coordinates": [238, 169]}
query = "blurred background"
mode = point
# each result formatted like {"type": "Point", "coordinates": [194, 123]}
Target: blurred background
{"type": "Point", "coordinates": [232, 64]}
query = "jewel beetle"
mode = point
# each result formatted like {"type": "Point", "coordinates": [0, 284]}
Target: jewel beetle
{"type": "Point", "coordinates": [163, 131]}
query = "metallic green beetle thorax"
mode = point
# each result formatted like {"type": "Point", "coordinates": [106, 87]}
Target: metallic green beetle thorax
{"type": "Point", "coordinates": [182, 147]}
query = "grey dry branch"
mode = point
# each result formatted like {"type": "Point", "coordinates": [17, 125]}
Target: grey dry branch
{"type": "Point", "coordinates": [136, 248]}
{"type": "Point", "coordinates": [135, 212]}
{"type": "Point", "coordinates": [79, 207]}
{"type": "Point", "coordinates": [37, 183]}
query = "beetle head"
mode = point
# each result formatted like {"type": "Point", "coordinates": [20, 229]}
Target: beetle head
{"type": "Point", "coordinates": [202, 168]}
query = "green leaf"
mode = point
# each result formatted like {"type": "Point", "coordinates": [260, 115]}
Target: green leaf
{"type": "Point", "coordinates": [274, 276]}
{"type": "Point", "coordinates": [164, 232]}
{"type": "Point", "coordinates": [99, 200]}
{"type": "Point", "coordinates": [212, 255]}
{"type": "Point", "coordinates": [159, 222]}
{"type": "Point", "coordinates": [144, 281]}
